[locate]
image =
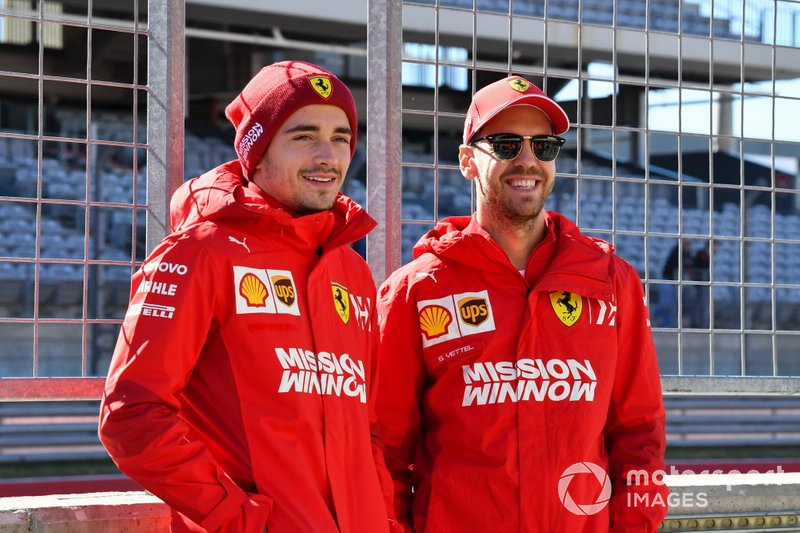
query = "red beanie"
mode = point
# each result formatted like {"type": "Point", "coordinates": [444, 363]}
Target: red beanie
{"type": "Point", "coordinates": [277, 91]}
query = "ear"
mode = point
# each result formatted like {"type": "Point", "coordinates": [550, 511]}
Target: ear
{"type": "Point", "coordinates": [466, 162]}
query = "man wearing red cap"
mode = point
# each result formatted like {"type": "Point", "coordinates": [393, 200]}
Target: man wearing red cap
{"type": "Point", "coordinates": [520, 390]}
{"type": "Point", "coordinates": [241, 387]}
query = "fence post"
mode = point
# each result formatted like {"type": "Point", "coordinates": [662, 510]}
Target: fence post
{"type": "Point", "coordinates": [165, 101]}
{"type": "Point", "coordinates": [384, 134]}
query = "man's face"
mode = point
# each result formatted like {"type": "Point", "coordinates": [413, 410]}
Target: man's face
{"type": "Point", "coordinates": [307, 159]}
{"type": "Point", "coordinates": [510, 192]}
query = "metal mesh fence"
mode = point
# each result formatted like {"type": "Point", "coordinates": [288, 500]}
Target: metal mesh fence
{"type": "Point", "coordinates": [681, 154]}
{"type": "Point", "coordinates": [682, 140]}
{"type": "Point", "coordinates": [73, 185]}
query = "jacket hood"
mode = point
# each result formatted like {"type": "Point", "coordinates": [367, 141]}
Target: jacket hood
{"type": "Point", "coordinates": [224, 193]}
{"type": "Point", "coordinates": [462, 239]}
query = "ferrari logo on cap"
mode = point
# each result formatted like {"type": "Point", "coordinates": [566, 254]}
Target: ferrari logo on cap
{"type": "Point", "coordinates": [322, 85]}
{"type": "Point", "coordinates": [341, 301]}
{"type": "Point", "coordinates": [567, 305]}
{"type": "Point", "coordinates": [519, 84]}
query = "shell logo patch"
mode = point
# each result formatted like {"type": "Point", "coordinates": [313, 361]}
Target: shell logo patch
{"type": "Point", "coordinates": [253, 295]}
{"type": "Point", "coordinates": [519, 84]}
{"type": "Point", "coordinates": [341, 301]}
{"type": "Point", "coordinates": [322, 86]}
{"type": "Point", "coordinates": [434, 320]}
{"type": "Point", "coordinates": [253, 290]}
{"type": "Point", "coordinates": [437, 318]}
{"type": "Point", "coordinates": [567, 305]}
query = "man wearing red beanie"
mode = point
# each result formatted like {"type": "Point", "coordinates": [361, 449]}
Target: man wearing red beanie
{"type": "Point", "coordinates": [241, 387]}
{"type": "Point", "coordinates": [520, 390]}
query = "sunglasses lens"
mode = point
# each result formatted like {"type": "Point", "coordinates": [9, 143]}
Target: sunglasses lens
{"type": "Point", "coordinates": [506, 147]}
{"type": "Point", "coordinates": [546, 150]}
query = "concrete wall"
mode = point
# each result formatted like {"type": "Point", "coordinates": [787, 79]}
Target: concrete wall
{"type": "Point", "coordinates": [118, 512]}
{"type": "Point", "coordinates": [728, 502]}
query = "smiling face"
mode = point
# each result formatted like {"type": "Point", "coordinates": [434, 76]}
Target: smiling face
{"type": "Point", "coordinates": [307, 159]}
{"type": "Point", "coordinates": [511, 192]}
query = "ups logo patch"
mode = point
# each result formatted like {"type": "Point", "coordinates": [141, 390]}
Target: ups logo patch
{"type": "Point", "coordinates": [284, 289]}
{"type": "Point", "coordinates": [474, 311]}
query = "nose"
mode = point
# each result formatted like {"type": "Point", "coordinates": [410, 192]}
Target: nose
{"type": "Point", "coordinates": [325, 153]}
{"type": "Point", "coordinates": [526, 158]}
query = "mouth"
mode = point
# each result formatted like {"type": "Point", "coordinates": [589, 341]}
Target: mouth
{"type": "Point", "coordinates": [523, 183]}
{"type": "Point", "coordinates": [321, 180]}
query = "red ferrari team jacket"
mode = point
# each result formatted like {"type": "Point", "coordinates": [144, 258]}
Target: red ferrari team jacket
{"type": "Point", "coordinates": [520, 402]}
{"type": "Point", "coordinates": [240, 390]}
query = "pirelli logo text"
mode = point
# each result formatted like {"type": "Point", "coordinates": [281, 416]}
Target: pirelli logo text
{"type": "Point", "coordinates": [152, 310]}
{"type": "Point", "coordinates": [556, 380]}
{"type": "Point", "coordinates": [455, 316]}
{"type": "Point", "coordinates": [321, 373]}
{"type": "Point", "coordinates": [259, 290]}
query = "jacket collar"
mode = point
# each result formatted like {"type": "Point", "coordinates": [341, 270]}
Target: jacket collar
{"type": "Point", "coordinates": [224, 194]}
{"type": "Point", "coordinates": [565, 259]}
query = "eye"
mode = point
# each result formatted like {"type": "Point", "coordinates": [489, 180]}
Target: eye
{"type": "Point", "coordinates": [342, 139]}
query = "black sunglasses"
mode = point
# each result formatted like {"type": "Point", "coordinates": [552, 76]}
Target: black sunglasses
{"type": "Point", "coordinates": [506, 146]}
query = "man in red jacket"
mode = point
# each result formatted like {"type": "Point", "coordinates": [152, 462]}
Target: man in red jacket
{"type": "Point", "coordinates": [519, 389]}
{"type": "Point", "coordinates": [241, 387]}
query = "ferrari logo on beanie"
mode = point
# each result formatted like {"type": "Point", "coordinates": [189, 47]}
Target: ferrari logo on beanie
{"type": "Point", "coordinates": [519, 84]}
{"type": "Point", "coordinates": [322, 85]}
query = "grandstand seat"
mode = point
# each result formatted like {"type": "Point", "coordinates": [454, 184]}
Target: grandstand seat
{"type": "Point", "coordinates": [62, 276]}
{"type": "Point", "coordinates": [787, 310]}
{"type": "Point", "coordinates": [529, 8]}
{"type": "Point", "coordinates": [12, 277]}
{"type": "Point", "coordinates": [49, 431]}
{"type": "Point", "coordinates": [756, 422]}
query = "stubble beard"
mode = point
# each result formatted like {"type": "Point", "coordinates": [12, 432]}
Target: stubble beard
{"type": "Point", "coordinates": [316, 201]}
{"type": "Point", "coordinates": [513, 213]}
{"type": "Point", "coordinates": [302, 202]}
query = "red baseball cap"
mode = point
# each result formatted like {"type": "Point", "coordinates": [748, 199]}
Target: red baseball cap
{"type": "Point", "coordinates": [277, 91]}
{"type": "Point", "coordinates": [508, 92]}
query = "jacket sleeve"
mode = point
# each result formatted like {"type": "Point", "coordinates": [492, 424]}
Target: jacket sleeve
{"type": "Point", "coordinates": [402, 376]}
{"type": "Point", "coordinates": [159, 344]}
{"type": "Point", "coordinates": [376, 433]}
{"type": "Point", "coordinates": [635, 428]}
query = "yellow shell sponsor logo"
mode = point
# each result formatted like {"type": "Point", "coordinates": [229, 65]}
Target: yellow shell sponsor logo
{"type": "Point", "coordinates": [322, 85]}
{"type": "Point", "coordinates": [341, 301]}
{"type": "Point", "coordinates": [567, 305]}
{"type": "Point", "coordinates": [519, 84]}
{"type": "Point", "coordinates": [253, 290]}
{"type": "Point", "coordinates": [434, 321]}
{"type": "Point", "coordinates": [474, 311]}
{"type": "Point", "coordinates": [283, 289]}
